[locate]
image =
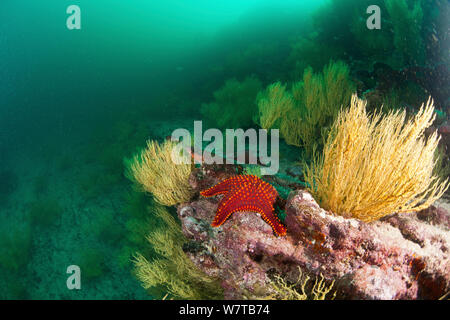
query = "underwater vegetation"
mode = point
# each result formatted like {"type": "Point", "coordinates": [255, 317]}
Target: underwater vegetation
{"type": "Point", "coordinates": [19, 234]}
{"type": "Point", "coordinates": [15, 252]}
{"type": "Point", "coordinates": [322, 244]}
{"type": "Point", "coordinates": [253, 170]}
{"type": "Point", "coordinates": [154, 169]}
{"type": "Point", "coordinates": [284, 290]}
{"type": "Point", "coordinates": [442, 166]}
{"type": "Point", "coordinates": [154, 234]}
{"type": "Point", "coordinates": [137, 225]}
{"type": "Point", "coordinates": [364, 166]}
{"type": "Point", "coordinates": [92, 263]}
{"type": "Point", "coordinates": [308, 51]}
{"type": "Point", "coordinates": [376, 43]}
{"type": "Point", "coordinates": [306, 112]}
{"type": "Point", "coordinates": [173, 272]}
{"type": "Point", "coordinates": [407, 24]}
{"type": "Point", "coordinates": [389, 101]}
{"type": "Point", "coordinates": [136, 237]}
{"type": "Point", "coordinates": [273, 104]}
{"type": "Point", "coordinates": [376, 165]}
{"type": "Point", "coordinates": [234, 105]}
{"type": "Point", "coordinates": [399, 41]}
{"type": "Point", "coordinates": [15, 244]}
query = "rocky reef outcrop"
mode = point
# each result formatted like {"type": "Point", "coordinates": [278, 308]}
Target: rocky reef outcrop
{"type": "Point", "coordinates": [403, 256]}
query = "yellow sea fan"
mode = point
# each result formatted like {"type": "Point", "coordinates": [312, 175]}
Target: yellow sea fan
{"type": "Point", "coordinates": [160, 174]}
{"type": "Point", "coordinates": [317, 101]}
{"type": "Point", "coordinates": [171, 270]}
{"type": "Point", "coordinates": [375, 166]}
{"type": "Point", "coordinates": [282, 290]}
{"type": "Point", "coordinates": [273, 104]}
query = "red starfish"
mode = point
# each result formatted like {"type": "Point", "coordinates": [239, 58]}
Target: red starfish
{"type": "Point", "coordinates": [246, 193]}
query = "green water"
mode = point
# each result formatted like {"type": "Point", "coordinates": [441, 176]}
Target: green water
{"type": "Point", "coordinates": [74, 103]}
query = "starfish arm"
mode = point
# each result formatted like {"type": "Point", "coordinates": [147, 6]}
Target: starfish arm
{"type": "Point", "coordinates": [274, 222]}
{"type": "Point", "coordinates": [219, 188]}
{"type": "Point", "coordinates": [223, 211]}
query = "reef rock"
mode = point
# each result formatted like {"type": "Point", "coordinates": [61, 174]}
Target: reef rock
{"type": "Point", "coordinates": [444, 131]}
{"type": "Point", "coordinates": [402, 256]}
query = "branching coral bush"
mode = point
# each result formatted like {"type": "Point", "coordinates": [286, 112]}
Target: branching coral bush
{"type": "Point", "coordinates": [138, 221]}
{"type": "Point", "coordinates": [273, 104]}
{"type": "Point", "coordinates": [300, 290]}
{"type": "Point", "coordinates": [407, 23]}
{"type": "Point", "coordinates": [173, 271]}
{"type": "Point", "coordinates": [376, 43]}
{"type": "Point", "coordinates": [306, 112]}
{"type": "Point", "coordinates": [333, 22]}
{"type": "Point", "coordinates": [234, 105]}
{"type": "Point", "coordinates": [442, 166]}
{"type": "Point", "coordinates": [376, 165]}
{"type": "Point", "coordinates": [318, 98]}
{"type": "Point", "coordinates": [155, 170]}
